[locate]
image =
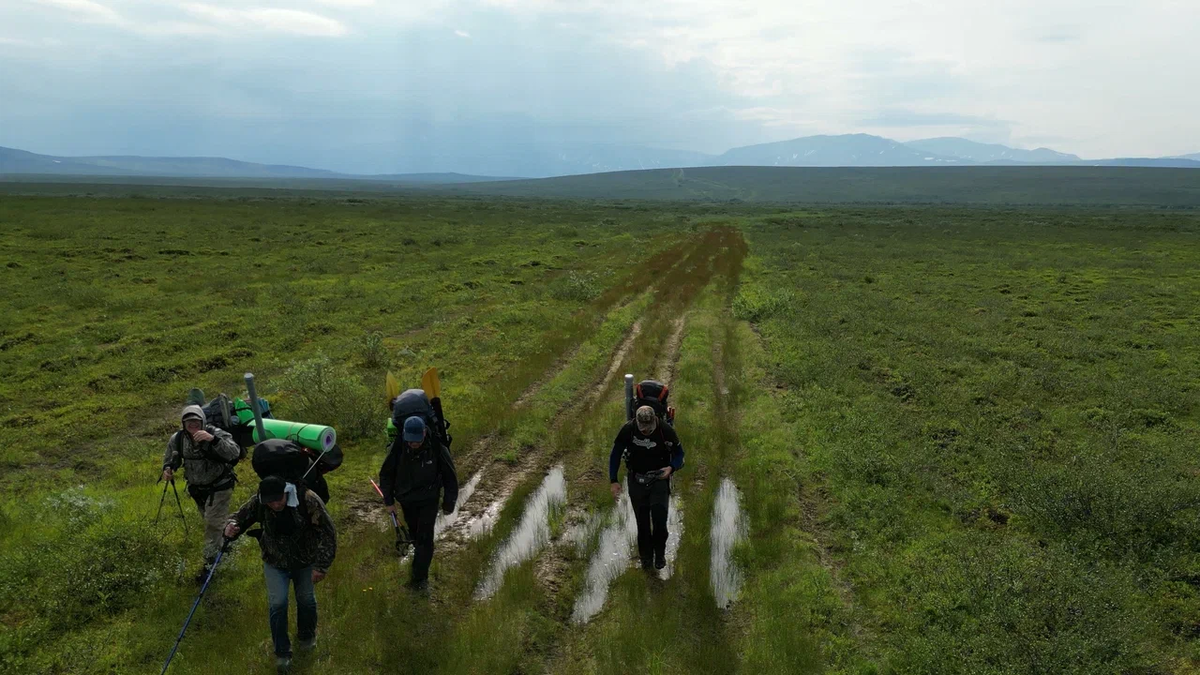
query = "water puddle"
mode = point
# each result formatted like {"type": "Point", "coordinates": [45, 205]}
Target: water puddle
{"type": "Point", "coordinates": [530, 535]}
{"type": "Point", "coordinates": [612, 558]}
{"type": "Point", "coordinates": [580, 534]}
{"type": "Point", "coordinates": [674, 536]}
{"type": "Point", "coordinates": [464, 493]}
{"type": "Point", "coordinates": [728, 528]}
{"type": "Point", "coordinates": [484, 522]}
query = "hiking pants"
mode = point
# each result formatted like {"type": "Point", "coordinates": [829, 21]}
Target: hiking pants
{"type": "Point", "coordinates": [277, 606]}
{"type": "Point", "coordinates": [420, 517]}
{"type": "Point", "coordinates": [214, 507]}
{"type": "Point", "coordinates": [650, 509]}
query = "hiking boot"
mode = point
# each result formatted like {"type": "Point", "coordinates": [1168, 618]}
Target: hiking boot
{"type": "Point", "coordinates": [307, 645]}
{"type": "Point", "coordinates": [660, 561]}
{"type": "Point", "coordinates": [647, 563]}
{"type": "Point", "coordinates": [421, 587]}
{"type": "Point", "coordinates": [283, 664]}
{"type": "Point", "coordinates": [202, 575]}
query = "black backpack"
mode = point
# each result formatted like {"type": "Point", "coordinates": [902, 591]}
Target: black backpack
{"type": "Point", "coordinates": [654, 394]}
{"type": "Point", "coordinates": [222, 413]}
{"type": "Point", "coordinates": [415, 402]}
{"type": "Point", "coordinates": [291, 461]}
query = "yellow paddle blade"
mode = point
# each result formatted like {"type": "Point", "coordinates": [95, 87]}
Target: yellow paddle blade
{"type": "Point", "coordinates": [431, 384]}
{"type": "Point", "coordinates": [392, 387]}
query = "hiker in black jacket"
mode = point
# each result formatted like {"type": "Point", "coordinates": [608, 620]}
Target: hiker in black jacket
{"type": "Point", "coordinates": [652, 453]}
{"type": "Point", "coordinates": [417, 468]}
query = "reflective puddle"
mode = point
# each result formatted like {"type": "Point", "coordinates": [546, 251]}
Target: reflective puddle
{"type": "Point", "coordinates": [530, 535]}
{"type": "Point", "coordinates": [615, 554]}
{"type": "Point", "coordinates": [728, 528]}
{"type": "Point", "coordinates": [464, 493]}
{"type": "Point", "coordinates": [674, 536]}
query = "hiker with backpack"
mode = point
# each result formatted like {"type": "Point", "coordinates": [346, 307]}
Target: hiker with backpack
{"type": "Point", "coordinates": [208, 456]}
{"type": "Point", "coordinates": [652, 453]}
{"type": "Point", "coordinates": [419, 467]}
{"type": "Point", "coordinates": [298, 543]}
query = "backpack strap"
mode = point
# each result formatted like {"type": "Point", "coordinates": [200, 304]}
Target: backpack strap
{"type": "Point", "coordinates": [229, 475]}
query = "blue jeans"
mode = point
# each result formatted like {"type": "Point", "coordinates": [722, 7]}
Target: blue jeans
{"type": "Point", "coordinates": [277, 604]}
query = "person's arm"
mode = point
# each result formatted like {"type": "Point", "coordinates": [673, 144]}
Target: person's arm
{"type": "Point", "coordinates": [326, 534]}
{"type": "Point", "coordinates": [387, 475]}
{"type": "Point", "coordinates": [242, 519]}
{"type": "Point", "coordinates": [677, 452]}
{"type": "Point", "coordinates": [172, 459]}
{"type": "Point", "coordinates": [223, 445]}
{"type": "Point", "coordinates": [618, 449]}
{"type": "Point", "coordinates": [624, 436]}
{"type": "Point", "coordinates": [449, 479]}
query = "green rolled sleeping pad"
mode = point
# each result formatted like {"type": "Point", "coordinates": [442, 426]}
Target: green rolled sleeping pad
{"type": "Point", "coordinates": [313, 436]}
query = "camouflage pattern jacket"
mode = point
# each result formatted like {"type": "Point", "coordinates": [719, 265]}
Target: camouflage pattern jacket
{"type": "Point", "coordinates": [295, 537]}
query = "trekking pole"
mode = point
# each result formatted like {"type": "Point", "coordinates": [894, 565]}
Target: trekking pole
{"type": "Point", "coordinates": [401, 539]}
{"type": "Point", "coordinates": [160, 500]}
{"type": "Point", "coordinates": [318, 461]}
{"type": "Point", "coordinates": [254, 407]}
{"type": "Point", "coordinates": [629, 396]}
{"type": "Point", "coordinates": [195, 604]}
{"type": "Point", "coordinates": [178, 503]}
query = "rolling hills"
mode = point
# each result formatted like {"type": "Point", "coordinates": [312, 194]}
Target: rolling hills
{"type": "Point", "coordinates": [446, 160]}
{"type": "Point", "coordinates": [1093, 186]}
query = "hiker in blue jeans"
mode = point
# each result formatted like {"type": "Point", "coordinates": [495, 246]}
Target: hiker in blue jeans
{"type": "Point", "coordinates": [298, 545]}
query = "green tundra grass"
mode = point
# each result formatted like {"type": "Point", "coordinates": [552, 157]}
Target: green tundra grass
{"type": "Point", "coordinates": [962, 438]}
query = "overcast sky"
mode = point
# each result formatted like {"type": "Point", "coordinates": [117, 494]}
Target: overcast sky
{"type": "Point", "coordinates": [322, 82]}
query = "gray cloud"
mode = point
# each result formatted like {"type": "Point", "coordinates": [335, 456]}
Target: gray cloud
{"type": "Point", "coordinates": [910, 118]}
{"type": "Point", "coordinates": [356, 84]}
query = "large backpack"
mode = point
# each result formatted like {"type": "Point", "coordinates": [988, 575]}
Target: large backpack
{"type": "Point", "coordinates": [230, 414]}
{"type": "Point", "coordinates": [291, 461]}
{"type": "Point", "coordinates": [654, 394]}
{"type": "Point", "coordinates": [415, 402]}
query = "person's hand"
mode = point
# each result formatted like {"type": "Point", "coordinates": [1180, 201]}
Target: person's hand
{"type": "Point", "coordinates": [317, 576]}
{"type": "Point", "coordinates": [391, 508]}
{"type": "Point", "coordinates": [231, 530]}
{"type": "Point", "coordinates": [666, 473]}
{"type": "Point", "coordinates": [168, 474]}
{"type": "Point", "coordinates": [201, 436]}
{"type": "Point", "coordinates": [616, 490]}
{"type": "Point", "coordinates": [447, 509]}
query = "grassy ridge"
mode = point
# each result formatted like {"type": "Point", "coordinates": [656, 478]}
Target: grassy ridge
{"type": "Point", "coordinates": [1011, 186]}
{"type": "Point", "coordinates": [994, 422]}
{"type": "Point", "coordinates": [1014, 186]}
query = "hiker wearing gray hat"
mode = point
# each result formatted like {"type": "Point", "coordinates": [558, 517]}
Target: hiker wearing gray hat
{"type": "Point", "coordinates": [652, 453]}
{"type": "Point", "coordinates": [418, 467]}
{"type": "Point", "coordinates": [207, 455]}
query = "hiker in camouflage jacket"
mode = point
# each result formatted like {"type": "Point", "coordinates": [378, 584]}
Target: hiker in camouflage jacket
{"type": "Point", "coordinates": [298, 543]}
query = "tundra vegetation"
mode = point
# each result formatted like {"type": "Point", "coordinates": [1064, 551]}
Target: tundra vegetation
{"type": "Point", "coordinates": [919, 439]}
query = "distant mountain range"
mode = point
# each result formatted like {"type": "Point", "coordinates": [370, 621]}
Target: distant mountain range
{"type": "Point", "coordinates": [21, 162]}
{"type": "Point", "coordinates": [539, 160]}
{"type": "Point", "coordinates": [983, 153]}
